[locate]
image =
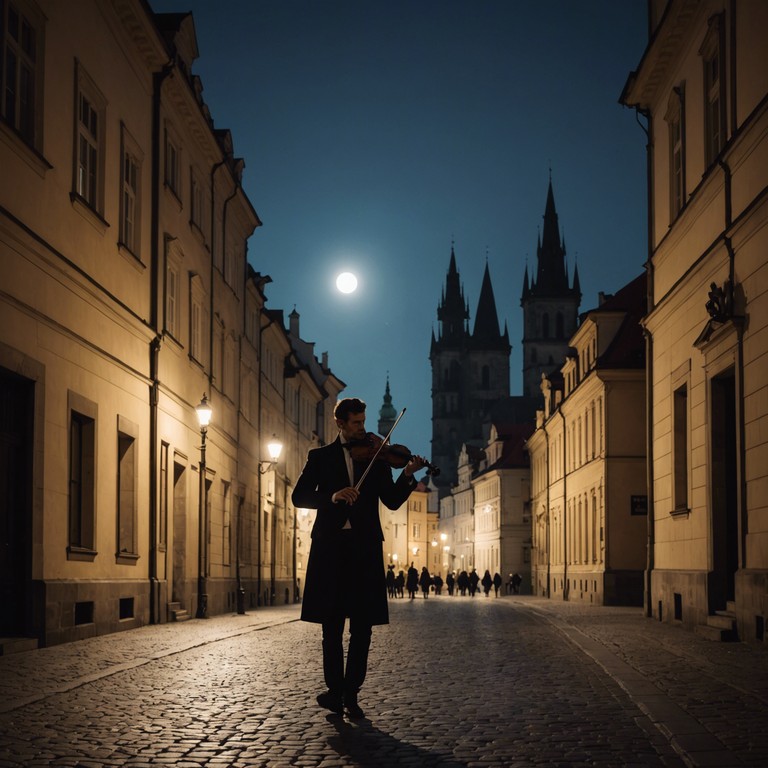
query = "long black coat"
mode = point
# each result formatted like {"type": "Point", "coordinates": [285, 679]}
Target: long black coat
{"type": "Point", "coordinates": [334, 586]}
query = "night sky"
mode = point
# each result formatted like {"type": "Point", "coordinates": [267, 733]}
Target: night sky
{"type": "Point", "coordinates": [376, 134]}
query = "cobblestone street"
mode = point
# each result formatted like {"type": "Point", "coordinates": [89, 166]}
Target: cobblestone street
{"type": "Point", "coordinates": [514, 681]}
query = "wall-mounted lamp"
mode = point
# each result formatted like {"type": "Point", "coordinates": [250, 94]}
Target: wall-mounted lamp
{"type": "Point", "coordinates": [274, 448]}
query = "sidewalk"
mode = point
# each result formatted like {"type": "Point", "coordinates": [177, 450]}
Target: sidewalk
{"type": "Point", "coordinates": [34, 675]}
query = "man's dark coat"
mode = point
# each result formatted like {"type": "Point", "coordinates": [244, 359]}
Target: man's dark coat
{"type": "Point", "coordinates": [335, 586]}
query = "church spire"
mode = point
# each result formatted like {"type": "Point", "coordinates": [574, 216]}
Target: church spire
{"type": "Point", "coordinates": [452, 312]}
{"type": "Point", "coordinates": [486, 318]}
{"type": "Point", "coordinates": [387, 412]}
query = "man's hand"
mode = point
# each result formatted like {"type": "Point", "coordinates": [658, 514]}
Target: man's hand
{"type": "Point", "coordinates": [414, 465]}
{"type": "Point", "coordinates": [346, 495]}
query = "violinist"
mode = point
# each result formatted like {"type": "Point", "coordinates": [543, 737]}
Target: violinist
{"type": "Point", "coordinates": [345, 572]}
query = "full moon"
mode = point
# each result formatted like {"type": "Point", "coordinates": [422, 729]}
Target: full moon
{"type": "Point", "coordinates": [346, 282]}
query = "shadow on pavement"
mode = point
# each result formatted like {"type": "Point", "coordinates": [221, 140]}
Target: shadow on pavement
{"type": "Point", "coordinates": [368, 747]}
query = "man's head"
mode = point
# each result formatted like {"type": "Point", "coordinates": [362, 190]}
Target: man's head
{"type": "Point", "coordinates": [350, 418]}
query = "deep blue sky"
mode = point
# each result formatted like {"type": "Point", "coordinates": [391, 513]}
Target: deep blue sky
{"type": "Point", "coordinates": [377, 132]}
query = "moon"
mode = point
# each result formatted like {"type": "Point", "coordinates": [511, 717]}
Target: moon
{"type": "Point", "coordinates": [346, 282]}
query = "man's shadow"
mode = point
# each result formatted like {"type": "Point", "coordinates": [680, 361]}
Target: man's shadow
{"type": "Point", "coordinates": [369, 747]}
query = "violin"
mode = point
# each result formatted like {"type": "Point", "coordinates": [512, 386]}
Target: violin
{"type": "Point", "coordinates": [373, 448]}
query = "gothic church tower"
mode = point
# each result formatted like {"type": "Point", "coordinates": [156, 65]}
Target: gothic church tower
{"type": "Point", "coordinates": [550, 305]}
{"type": "Point", "coordinates": [470, 372]}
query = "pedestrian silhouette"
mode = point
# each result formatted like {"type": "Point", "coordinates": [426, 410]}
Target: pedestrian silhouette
{"type": "Point", "coordinates": [390, 580]}
{"type": "Point", "coordinates": [463, 583]}
{"type": "Point", "coordinates": [450, 581]}
{"type": "Point", "coordinates": [438, 582]}
{"type": "Point", "coordinates": [516, 581]}
{"type": "Point", "coordinates": [487, 582]}
{"type": "Point", "coordinates": [425, 582]}
{"type": "Point", "coordinates": [496, 582]}
{"type": "Point", "coordinates": [412, 582]}
{"type": "Point", "coordinates": [473, 581]}
{"type": "Point", "coordinates": [400, 584]}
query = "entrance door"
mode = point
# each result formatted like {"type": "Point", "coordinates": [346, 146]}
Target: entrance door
{"type": "Point", "coordinates": [725, 520]}
{"type": "Point", "coordinates": [16, 422]}
{"type": "Point", "coordinates": [179, 591]}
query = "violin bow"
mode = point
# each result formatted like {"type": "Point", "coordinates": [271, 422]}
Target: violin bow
{"type": "Point", "coordinates": [376, 455]}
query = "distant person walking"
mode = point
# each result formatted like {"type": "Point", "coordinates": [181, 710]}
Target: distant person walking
{"type": "Point", "coordinates": [390, 580]}
{"type": "Point", "coordinates": [487, 582]}
{"type": "Point", "coordinates": [496, 582]}
{"type": "Point", "coordinates": [438, 582]}
{"type": "Point", "coordinates": [450, 582]}
{"type": "Point", "coordinates": [463, 583]}
{"type": "Point", "coordinates": [425, 582]}
{"type": "Point", "coordinates": [412, 582]}
{"type": "Point", "coordinates": [400, 584]}
{"type": "Point", "coordinates": [517, 580]}
{"type": "Point", "coordinates": [473, 581]}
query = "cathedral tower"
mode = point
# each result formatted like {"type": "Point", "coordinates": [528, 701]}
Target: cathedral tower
{"type": "Point", "coordinates": [470, 372]}
{"type": "Point", "coordinates": [550, 305]}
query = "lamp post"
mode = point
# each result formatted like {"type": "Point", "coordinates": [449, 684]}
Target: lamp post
{"type": "Point", "coordinates": [204, 413]}
{"type": "Point", "coordinates": [274, 448]}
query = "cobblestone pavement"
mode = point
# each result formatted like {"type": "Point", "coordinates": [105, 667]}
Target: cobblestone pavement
{"type": "Point", "coordinates": [456, 682]}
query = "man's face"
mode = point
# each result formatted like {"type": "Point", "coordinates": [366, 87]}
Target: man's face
{"type": "Point", "coordinates": [353, 428]}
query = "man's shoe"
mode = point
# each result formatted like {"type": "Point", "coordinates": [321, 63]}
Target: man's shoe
{"type": "Point", "coordinates": [331, 701]}
{"type": "Point", "coordinates": [353, 709]}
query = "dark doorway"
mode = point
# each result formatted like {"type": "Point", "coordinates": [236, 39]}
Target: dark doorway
{"type": "Point", "coordinates": [16, 430]}
{"type": "Point", "coordinates": [179, 590]}
{"type": "Point", "coordinates": [725, 520]}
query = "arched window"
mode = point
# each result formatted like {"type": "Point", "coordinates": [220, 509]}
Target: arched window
{"type": "Point", "coordinates": [559, 325]}
{"type": "Point", "coordinates": [545, 326]}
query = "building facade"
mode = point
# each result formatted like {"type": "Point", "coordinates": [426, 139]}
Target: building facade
{"type": "Point", "coordinates": [126, 299]}
{"type": "Point", "coordinates": [588, 467]}
{"type": "Point", "coordinates": [702, 85]}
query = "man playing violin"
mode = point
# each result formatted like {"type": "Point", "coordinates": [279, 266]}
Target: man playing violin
{"type": "Point", "coordinates": [345, 572]}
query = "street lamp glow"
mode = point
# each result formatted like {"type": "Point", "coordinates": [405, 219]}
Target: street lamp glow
{"type": "Point", "coordinates": [275, 448]}
{"type": "Point", "coordinates": [346, 282]}
{"type": "Point", "coordinates": [204, 412]}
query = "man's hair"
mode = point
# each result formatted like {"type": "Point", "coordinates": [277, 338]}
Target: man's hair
{"type": "Point", "coordinates": [348, 406]}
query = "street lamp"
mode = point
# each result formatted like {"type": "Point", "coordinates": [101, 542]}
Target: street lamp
{"type": "Point", "coordinates": [204, 413]}
{"type": "Point", "coordinates": [274, 448]}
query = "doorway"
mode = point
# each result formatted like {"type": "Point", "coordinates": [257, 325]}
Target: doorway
{"type": "Point", "coordinates": [16, 440]}
{"type": "Point", "coordinates": [724, 490]}
{"type": "Point", "coordinates": [179, 588]}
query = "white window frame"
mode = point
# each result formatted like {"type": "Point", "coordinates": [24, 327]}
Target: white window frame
{"type": "Point", "coordinates": [131, 161]}
{"type": "Point", "coordinates": [712, 53]}
{"type": "Point", "coordinates": [90, 143]}
{"type": "Point", "coordinates": [21, 86]}
{"type": "Point", "coordinates": [675, 118]}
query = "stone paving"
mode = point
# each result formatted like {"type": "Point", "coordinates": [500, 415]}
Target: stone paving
{"type": "Point", "coordinates": [455, 682]}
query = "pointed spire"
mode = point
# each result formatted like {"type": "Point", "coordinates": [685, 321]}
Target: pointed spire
{"type": "Point", "coordinates": [453, 310]}
{"type": "Point", "coordinates": [486, 318]}
{"type": "Point", "coordinates": [387, 412]}
{"type": "Point", "coordinates": [551, 273]}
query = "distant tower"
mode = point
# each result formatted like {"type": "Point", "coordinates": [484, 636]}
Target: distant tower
{"type": "Point", "coordinates": [550, 306]}
{"type": "Point", "coordinates": [470, 372]}
{"type": "Point", "coordinates": [387, 413]}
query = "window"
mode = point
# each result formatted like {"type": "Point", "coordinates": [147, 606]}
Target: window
{"type": "Point", "coordinates": [712, 53]}
{"type": "Point", "coordinates": [196, 199]}
{"type": "Point", "coordinates": [172, 163]}
{"type": "Point", "coordinates": [675, 121]}
{"type": "Point", "coordinates": [172, 321]}
{"type": "Point", "coordinates": [127, 490]}
{"type": "Point", "coordinates": [680, 448]}
{"type": "Point", "coordinates": [198, 321]}
{"type": "Point", "coordinates": [89, 162]}
{"type": "Point", "coordinates": [21, 70]}
{"type": "Point", "coordinates": [82, 482]}
{"type": "Point", "coordinates": [130, 181]}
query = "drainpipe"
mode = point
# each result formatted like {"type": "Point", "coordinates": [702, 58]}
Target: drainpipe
{"type": "Point", "coordinates": [649, 288]}
{"type": "Point", "coordinates": [154, 348]}
{"type": "Point", "coordinates": [566, 589]}
{"type": "Point", "coordinates": [548, 535]}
